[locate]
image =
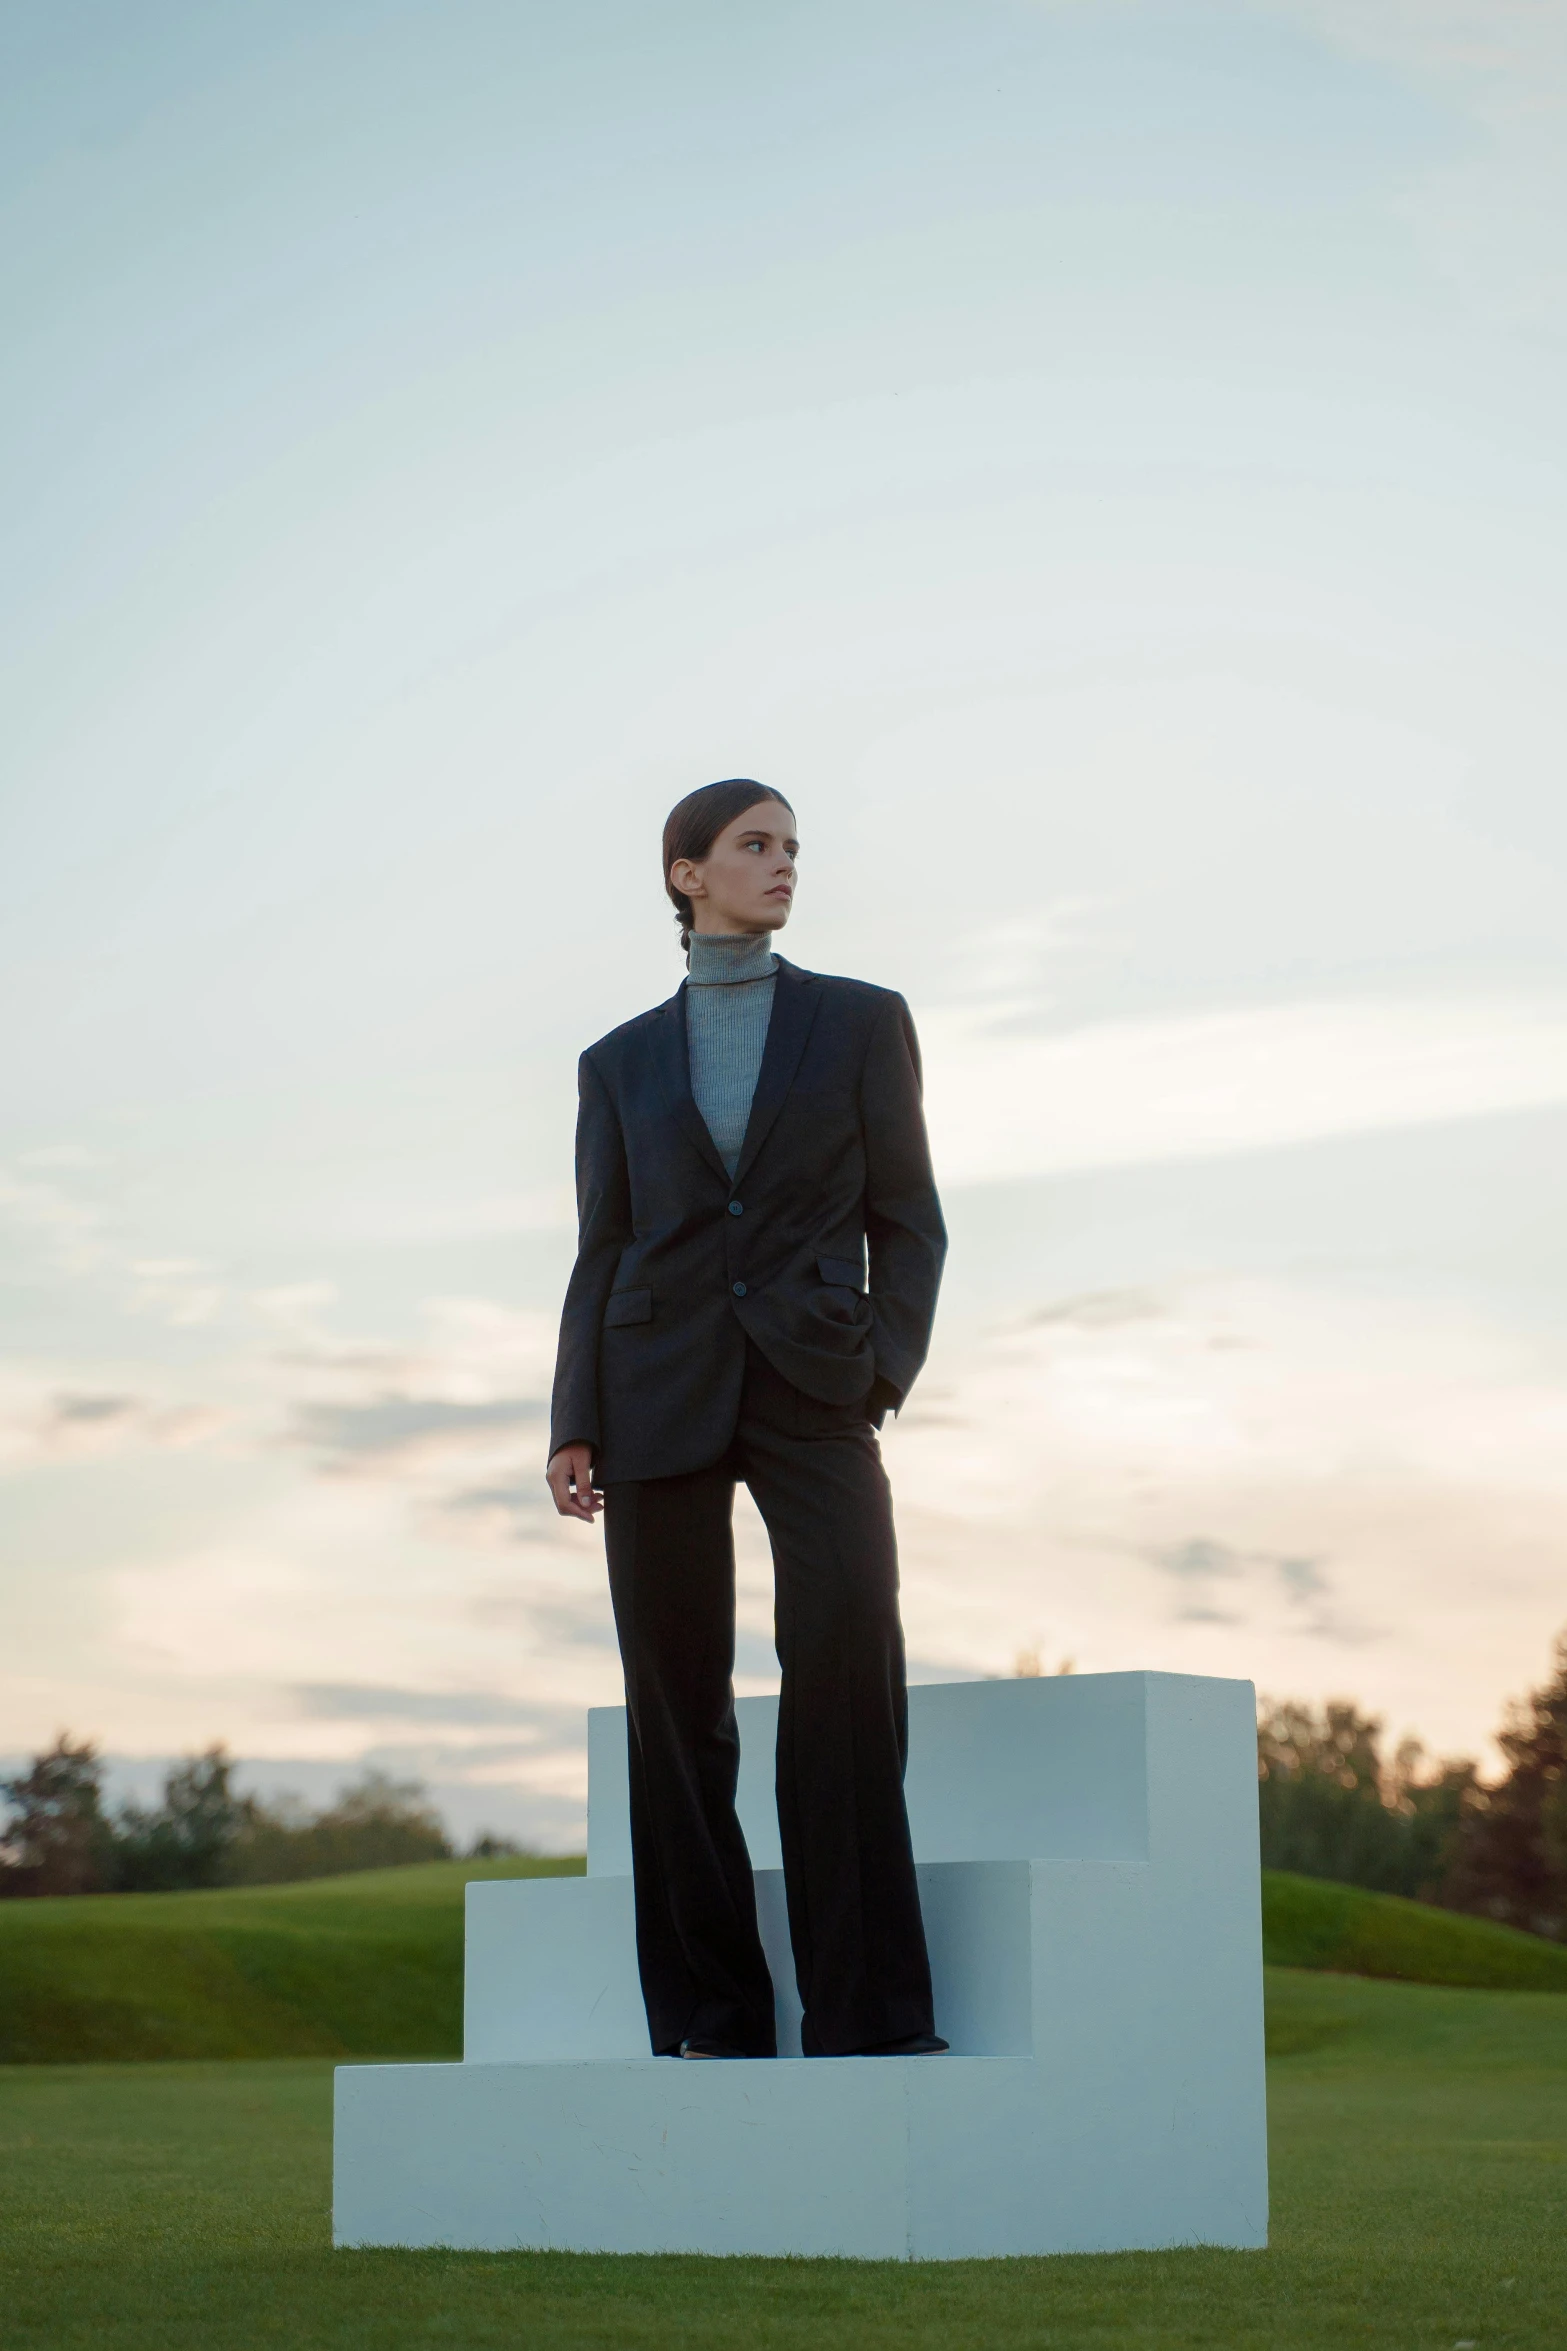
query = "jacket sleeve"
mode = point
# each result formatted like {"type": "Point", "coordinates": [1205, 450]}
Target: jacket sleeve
{"type": "Point", "coordinates": [903, 1224]}
{"type": "Point", "coordinates": [603, 1229]}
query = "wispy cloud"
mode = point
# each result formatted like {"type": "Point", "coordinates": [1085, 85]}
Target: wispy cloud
{"type": "Point", "coordinates": [546, 1208]}
{"type": "Point", "coordinates": [41, 1421]}
{"type": "Point", "coordinates": [53, 1199]}
{"type": "Point", "coordinates": [182, 1291]}
{"type": "Point", "coordinates": [1249, 1478]}
{"type": "Point", "coordinates": [480, 1709]}
{"type": "Point", "coordinates": [1491, 44]}
{"type": "Point", "coordinates": [409, 1574]}
{"type": "Point", "coordinates": [1199, 1557]}
{"type": "Point", "coordinates": [400, 1428]}
{"type": "Point", "coordinates": [1121, 1092]}
{"type": "Point", "coordinates": [455, 1424]}
{"type": "Point", "coordinates": [509, 1512]}
{"type": "Point", "coordinates": [1494, 215]}
{"type": "Point", "coordinates": [70, 1230]}
{"type": "Point", "coordinates": [551, 1616]}
{"type": "Point", "coordinates": [1199, 1563]}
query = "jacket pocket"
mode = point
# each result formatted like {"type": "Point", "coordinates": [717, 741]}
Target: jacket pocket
{"type": "Point", "coordinates": [628, 1306]}
{"type": "Point", "coordinates": [844, 1273]}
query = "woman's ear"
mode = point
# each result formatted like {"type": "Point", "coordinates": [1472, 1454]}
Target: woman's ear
{"type": "Point", "coordinates": [685, 875]}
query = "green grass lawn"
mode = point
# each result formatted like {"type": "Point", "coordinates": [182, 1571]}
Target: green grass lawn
{"type": "Point", "coordinates": [371, 1966]}
{"type": "Point", "coordinates": [1420, 2201]}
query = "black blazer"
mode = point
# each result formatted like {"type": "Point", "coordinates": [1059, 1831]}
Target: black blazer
{"type": "Point", "coordinates": [677, 1266]}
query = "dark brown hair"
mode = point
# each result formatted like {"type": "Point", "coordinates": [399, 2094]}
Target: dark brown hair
{"type": "Point", "coordinates": [694, 824]}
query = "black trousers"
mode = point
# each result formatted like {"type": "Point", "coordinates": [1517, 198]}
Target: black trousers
{"type": "Point", "coordinates": [815, 1473]}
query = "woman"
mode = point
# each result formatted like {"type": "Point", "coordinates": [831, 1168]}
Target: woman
{"type": "Point", "coordinates": [740, 1151]}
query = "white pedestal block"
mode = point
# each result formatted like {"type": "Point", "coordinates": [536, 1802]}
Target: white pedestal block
{"type": "Point", "coordinates": [1088, 1877]}
{"type": "Point", "coordinates": [552, 1966]}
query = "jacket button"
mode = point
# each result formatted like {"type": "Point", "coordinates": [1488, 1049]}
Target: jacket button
{"type": "Point", "coordinates": [737, 1208]}
{"type": "Point", "coordinates": [739, 1289]}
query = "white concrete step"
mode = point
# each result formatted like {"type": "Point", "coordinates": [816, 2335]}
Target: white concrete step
{"type": "Point", "coordinates": [1088, 1869]}
{"type": "Point", "coordinates": [923, 2158]}
{"type": "Point", "coordinates": [1054, 1769]}
{"type": "Point", "coordinates": [552, 1966]}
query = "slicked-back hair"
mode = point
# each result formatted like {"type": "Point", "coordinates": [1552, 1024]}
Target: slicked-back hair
{"type": "Point", "coordinates": [694, 824]}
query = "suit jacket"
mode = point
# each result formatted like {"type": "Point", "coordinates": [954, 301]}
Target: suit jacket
{"type": "Point", "coordinates": [677, 1266]}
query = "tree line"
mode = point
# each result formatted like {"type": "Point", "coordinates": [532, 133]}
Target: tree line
{"type": "Point", "coordinates": [1334, 1806]}
{"type": "Point", "coordinates": [58, 1836]}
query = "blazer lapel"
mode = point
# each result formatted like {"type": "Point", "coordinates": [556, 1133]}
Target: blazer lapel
{"type": "Point", "coordinates": [794, 1008]}
{"type": "Point", "coordinates": [673, 1064]}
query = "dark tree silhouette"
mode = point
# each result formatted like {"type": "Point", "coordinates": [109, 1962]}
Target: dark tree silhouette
{"type": "Point", "coordinates": [187, 1841]}
{"type": "Point", "coordinates": [376, 1823]}
{"type": "Point", "coordinates": [1331, 1806]}
{"type": "Point", "coordinates": [56, 1840]}
{"type": "Point", "coordinates": [1511, 1863]}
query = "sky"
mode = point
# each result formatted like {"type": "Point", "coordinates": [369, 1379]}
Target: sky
{"type": "Point", "coordinates": [1104, 463]}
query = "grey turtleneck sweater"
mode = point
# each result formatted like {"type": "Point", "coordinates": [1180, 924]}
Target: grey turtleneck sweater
{"type": "Point", "coordinates": [729, 1002]}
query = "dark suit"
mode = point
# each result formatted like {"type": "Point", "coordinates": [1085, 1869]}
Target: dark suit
{"type": "Point", "coordinates": [715, 1331]}
{"type": "Point", "coordinates": [677, 1266]}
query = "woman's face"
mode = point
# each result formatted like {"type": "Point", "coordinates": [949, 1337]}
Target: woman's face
{"type": "Point", "coordinates": [746, 880]}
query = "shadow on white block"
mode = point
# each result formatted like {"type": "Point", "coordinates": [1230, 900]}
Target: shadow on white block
{"type": "Point", "coordinates": [1088, 1870]}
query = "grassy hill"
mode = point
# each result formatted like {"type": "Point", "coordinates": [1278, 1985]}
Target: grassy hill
{"type": "Point", "coordinates": [1309, 1923]}
{"type": "Point", "coordinates": [362, 1966]}
{"type": "Point", "coordinates": [371, 1965]}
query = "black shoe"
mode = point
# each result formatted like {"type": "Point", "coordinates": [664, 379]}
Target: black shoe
{"type": "Point", "coordinates": [917, 2045]}
{"type": "Point", "coordinates": [704, 2048]}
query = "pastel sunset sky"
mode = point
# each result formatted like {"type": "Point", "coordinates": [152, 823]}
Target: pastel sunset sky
{"type": "Point", "coordinates": [1105, 464]}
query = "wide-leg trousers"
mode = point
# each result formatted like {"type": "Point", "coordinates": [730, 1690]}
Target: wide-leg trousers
{"type": "Point", "coordinates": [815, 1473]}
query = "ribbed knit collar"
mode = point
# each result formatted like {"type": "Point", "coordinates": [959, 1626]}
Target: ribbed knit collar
{"type": "Point", "coordinates": [719, 958]}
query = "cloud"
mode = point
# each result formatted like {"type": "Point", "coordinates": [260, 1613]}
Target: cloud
{"type": "Point", "coordinates": [1249, 1478]}
{"type": "Point", "coordinates": [1101, 1309]}
{"type": "Point", "coordinates": [74, 1236]}
{"type": "Point", "coordinates": [1491, 47]}
{"type": "Point", "coordinates": [74, 1155]}
{"type": "Point", "coordinates": [1304, 1582]}
{"type": "Point", "coordinates": [553, 1617]}
{"type": "Point", "coordinates": [298, 1309]}
{"type": "Point", "coordinates": [1199, 1557]}
{"type": "Point", "coordinates": [364, 1590]}
{"type": "Point", "coordinates": [482, 1709]}
{"type": "Point", "coordinates": [71, 1230]}
{"type": "Point", "coordinates": [546, 1208]}
{"type": "Point", "coordinates": [395, 1428]}
{"type": "Point", "coordinates": [42, 1422]}
{"type": "Point", "coordinates": [1121, 1092]}
{"type": "Point", "coordinates": [335, 1606]}
{"type": "Point", "coordinates": [479, 1762]}
{"type": "Point", "coordinates": [1020, 959]}
{"type": "Point", "coordinates": [182, 1291]}
{"type": "Point", "coordinates": [1303, 1578]}
{"type": "Point", "coordinates": [446, 1421]}
{"type": "Point", "coordinates": [514, 1511]}
{"type": "Point", "coordinates": [1493, 218]}
{"type": "Point", "coordinates": [93, 1411]}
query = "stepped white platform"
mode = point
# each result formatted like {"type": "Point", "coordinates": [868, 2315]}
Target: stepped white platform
{"type": "Point", "coordinates": [1089, 1877]}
